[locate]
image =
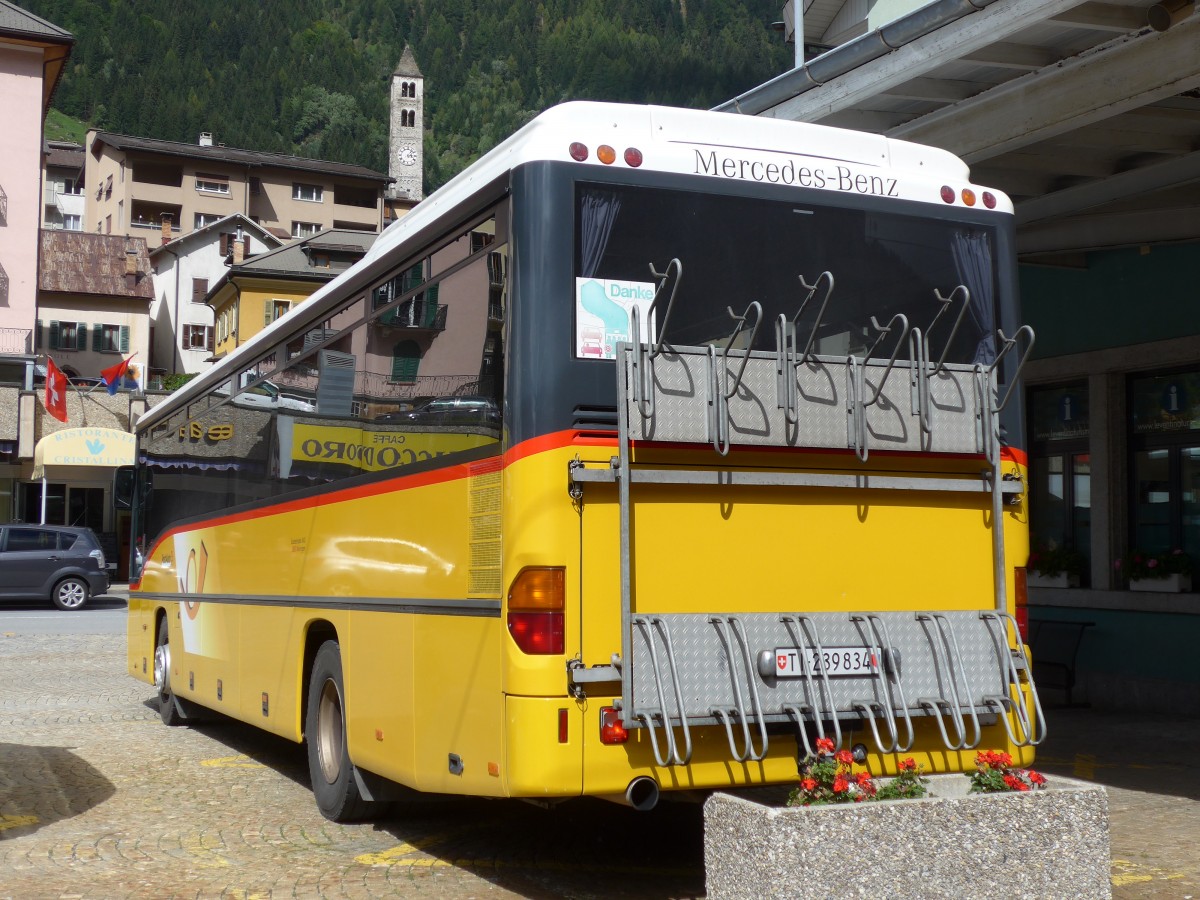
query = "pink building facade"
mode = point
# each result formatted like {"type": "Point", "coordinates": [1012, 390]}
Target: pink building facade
{"type": "Point", "coordinates": [32, 54]}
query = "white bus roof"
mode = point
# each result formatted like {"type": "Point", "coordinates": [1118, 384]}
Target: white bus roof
{"type": "Point", "coordinates": [724, 146]}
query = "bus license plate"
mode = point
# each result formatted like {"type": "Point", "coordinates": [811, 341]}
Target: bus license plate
{"type": "Point", "coordinates": [791, 662]}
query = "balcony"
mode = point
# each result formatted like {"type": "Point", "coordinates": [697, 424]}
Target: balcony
{"type": "Point", "coordinates": [13, 340]}
{"type": "Point", "coordinates": [417, 314]}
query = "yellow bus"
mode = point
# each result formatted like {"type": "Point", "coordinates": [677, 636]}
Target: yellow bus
{"type": "Point", "coordinates": [653, 447]}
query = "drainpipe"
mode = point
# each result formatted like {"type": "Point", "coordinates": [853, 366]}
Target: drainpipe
{"type": "Point", "coordinates": [175, 319]}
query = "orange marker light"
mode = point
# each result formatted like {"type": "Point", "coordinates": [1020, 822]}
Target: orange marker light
{"type": "Point", "coordinates": [606, 154]}
{"type": "Point", "coordinates": [968, 196]}
{"type": "Point", "coordinates": [535, 610]}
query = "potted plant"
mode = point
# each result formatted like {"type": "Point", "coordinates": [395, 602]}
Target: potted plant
{"type": "Point", "coordinates": [1055, 567]}
{"type": "Point", "coordinates": [1169, 571]}
{"type": "Point", "coordinates": [999, 831]}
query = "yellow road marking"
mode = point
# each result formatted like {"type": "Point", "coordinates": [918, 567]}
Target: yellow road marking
{"type": "Point", "coordinates": [232, 762]}
{"type": "Point", "coordinates": [7, 822]}
{"type": "Point", "coordinates": [1126, 872]}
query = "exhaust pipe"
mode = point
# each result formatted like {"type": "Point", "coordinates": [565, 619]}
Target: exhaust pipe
{"type": "Point", "coordinates": [642, 794]}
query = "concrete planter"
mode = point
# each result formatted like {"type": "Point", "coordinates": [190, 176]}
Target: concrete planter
{"type": "Point", "coordinates": [1172, 584]}
{"type": "Point", "coordinates": [1047, 843]}
{"type": "Point", "coordinates": [1034, 579]}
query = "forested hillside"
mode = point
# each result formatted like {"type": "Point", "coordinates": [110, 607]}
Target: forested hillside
{"type": "Point", "coordinates": [311, 76]}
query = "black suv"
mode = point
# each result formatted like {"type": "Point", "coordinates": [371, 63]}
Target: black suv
{"type": "Point", "coordinates": [39, 562]}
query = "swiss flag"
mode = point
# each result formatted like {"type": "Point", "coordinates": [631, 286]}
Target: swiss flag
{"type": "Point", "coordinates": [56, 391]}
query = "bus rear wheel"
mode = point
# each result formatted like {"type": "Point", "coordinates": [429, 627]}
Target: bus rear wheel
{"type": "Point", "coordinates": [332, 773]}
{"type": "Point", "coordinates": [168, 709]}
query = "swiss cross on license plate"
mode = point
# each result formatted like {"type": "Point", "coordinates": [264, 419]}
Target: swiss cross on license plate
{"type": "Point", "coordinates": [793, 662]}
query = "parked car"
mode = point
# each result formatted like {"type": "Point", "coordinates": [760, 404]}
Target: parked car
{"type": "Point", "coordinates": [62, 564]}
{"type": "Point", "coordinates": [448, 411]}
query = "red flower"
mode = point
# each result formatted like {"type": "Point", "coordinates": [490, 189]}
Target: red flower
{"type": "Point", "coordinates": [1036, 777]}
{"type": "Point", "coordinates": [840, 785]}
{"type": "Point", "coordinates": [1014, 783]}
{"type": "Point", "coordinates": [808, 784]}
{"type": "Point", "coordinates": [908, 765]}
{"type": "Point", "coordinates": [1152, 564]}
{"type": "Point", "coordinates": [863, 778]}
{"type": "Point", "coordinates": [824, 745]}
{"type": "Point", "coordinates": [845, 757]}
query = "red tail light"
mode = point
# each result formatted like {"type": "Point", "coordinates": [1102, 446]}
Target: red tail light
{"type": "Point", "coordinates": [612, 729]}
{"type": "Point", "coordinates": [1021, 602]}
{"type": "Point", "coordinates": [537, 633]}
{"type": "Point", "coordinates": [535, 610]}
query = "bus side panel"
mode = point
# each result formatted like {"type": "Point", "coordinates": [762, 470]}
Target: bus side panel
{"type": "Point", "coordinates": [379, 671]}
{"type": "Point", "coordinates": [426, 678]}
{"type": "Point", "coordinates": [140, 637]}
{"type": "Point", "coordinates": [459, 705]}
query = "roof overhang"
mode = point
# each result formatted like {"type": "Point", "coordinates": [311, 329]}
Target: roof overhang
{"type": "Point", "coordinates": [1080, 111]}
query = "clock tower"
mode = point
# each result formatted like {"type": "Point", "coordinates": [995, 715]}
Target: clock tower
{"type": "Point", "coordinates": [407, 131]}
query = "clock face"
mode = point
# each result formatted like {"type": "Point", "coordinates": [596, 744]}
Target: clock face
{"type": "Point", "coordinates": [408, 155]}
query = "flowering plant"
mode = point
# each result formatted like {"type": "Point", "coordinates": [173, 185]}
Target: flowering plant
{"type": "Point", "coordinates": [994, 773]}
{"type": "Point", "coordinates": [1139, 564]}
{"type": "Point", "coordinates": [827, 777]}
{"type": "Point", "coordinates": [909, 784]}
{"type": "Point", "coordinates": [1056, 561]}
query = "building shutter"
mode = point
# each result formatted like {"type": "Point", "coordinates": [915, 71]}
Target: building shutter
{"type": "Point", "coordinates": [200, 287]}
{"type": "Point", "coordinates": [37, 336]}
{"type": "Point", "coordinates": [97, 338]}
{"type": "Point", "coordinates": [406, 358]}
{"type": "Point", "coordinates": [55, 332]}
{"type": "Point", "coordinates": [81, 330]}
{"type": "Point", "coordinates": [268, 308]}
{"type": "Point", "coordinates": [124, 338]}
{"type": "Point", "coordinates": [208, 338]}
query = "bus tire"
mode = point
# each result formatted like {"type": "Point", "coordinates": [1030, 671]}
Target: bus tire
{"type": "Point", "coordinates": [333, 783]}
{"type": "Point", "coordinates": [169, 707]}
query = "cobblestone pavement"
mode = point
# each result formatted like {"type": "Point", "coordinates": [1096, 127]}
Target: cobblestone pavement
{"type": "Point", "coordinates": [99, 800]}
{"type": "Point", "coordinates": [1150, 765]}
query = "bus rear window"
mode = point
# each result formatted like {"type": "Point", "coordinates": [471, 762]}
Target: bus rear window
{"type": "Point", "coordinates": [736, 250]}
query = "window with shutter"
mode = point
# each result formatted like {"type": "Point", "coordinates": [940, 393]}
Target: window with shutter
{"type": "Point", "coordinates": [199, 289]}
{"type": "Point", "coordinates": [406, 358]}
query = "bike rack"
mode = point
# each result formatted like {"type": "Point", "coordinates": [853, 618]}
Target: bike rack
{"type": "Point", "coordinates": [678, 671]}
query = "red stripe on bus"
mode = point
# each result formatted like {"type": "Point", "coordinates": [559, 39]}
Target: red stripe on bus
{"type": "Point", "coordinates": [557, 440]}
{"type": "Point", "coordinates": [338, 495]}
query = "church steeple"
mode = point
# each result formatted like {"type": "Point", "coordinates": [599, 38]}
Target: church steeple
{"type": "Point", "coordinates": [406, 155]}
